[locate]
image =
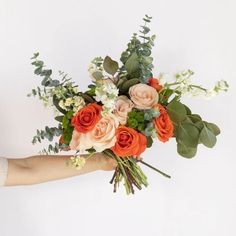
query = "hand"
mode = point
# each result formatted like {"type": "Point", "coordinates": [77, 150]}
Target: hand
{"type": "Point", "coordinates": [106, 163]}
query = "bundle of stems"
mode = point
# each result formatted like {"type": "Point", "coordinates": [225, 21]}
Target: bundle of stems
{"type": "Point", "coordinates": [128, 170]}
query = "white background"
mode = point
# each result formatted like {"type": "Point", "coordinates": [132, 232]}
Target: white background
{"type": "Point", "coordinates": [200, 197]}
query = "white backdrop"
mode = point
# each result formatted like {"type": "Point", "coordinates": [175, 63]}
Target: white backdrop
{"type": "Point", "coordinates": [200, 197]}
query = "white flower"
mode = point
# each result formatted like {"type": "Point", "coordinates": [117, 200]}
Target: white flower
{"type": "Point", "coordinates": [68, 102]}
{"type": "Point", "coordinates": [62, 104]}
{"type": "Point", "coordinates": [221, 85]}
{"type": "Point", "coordinates": [211, 93]}
{"type": "Point", "coordinates": [107, 93]}
{"type": "Point", "coordinates": [78, 103]}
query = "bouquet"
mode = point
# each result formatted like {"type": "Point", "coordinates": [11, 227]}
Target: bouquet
{"type": "Point", "coordinates": [123, 111]}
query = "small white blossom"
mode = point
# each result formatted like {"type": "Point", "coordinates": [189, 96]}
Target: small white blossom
{"type": "Point", "coordinates": [107, 93]}
{"type": "Point", "coordinates": [62, 104]}
{"type": "Point", "coordinates": [78, 103]}
{"type": "Point", "coordinates": [68, 102]}
{"type": "Point", "coordinates": [221, 85]}
{"type": "Point", "coordinates": [211, 93]}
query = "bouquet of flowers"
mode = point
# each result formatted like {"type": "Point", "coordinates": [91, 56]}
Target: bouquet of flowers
{"type": "Point", "coordinates": [124, 109]}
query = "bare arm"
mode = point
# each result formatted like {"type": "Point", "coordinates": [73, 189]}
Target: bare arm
{"type": "Point", "coordinates": [43, 168]}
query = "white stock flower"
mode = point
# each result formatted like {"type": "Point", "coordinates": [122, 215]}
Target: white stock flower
{"type": "Point", "coordinates": [78, 103]}
{"type": "Point", "coordinates": [211, 93]}
{"type": "Point", "coordinates": [107, 93]}
{"type": "Point", "coordinates": [221, 85]}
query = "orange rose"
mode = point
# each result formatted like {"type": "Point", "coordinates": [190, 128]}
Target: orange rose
{"type": "Point", "coordinates": [155, 84]}
{"type": "Point", "coordinates": [129, 142]}
{"type": "Point", "coordinates": [163, 125]}
{"type": "Point", "coordinates": [87, 117]}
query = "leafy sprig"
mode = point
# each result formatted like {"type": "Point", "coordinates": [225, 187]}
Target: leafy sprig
{"type": "Point", "coordinates": [190, 130]}
{"type": "Point", "coordinates": [136, 59]}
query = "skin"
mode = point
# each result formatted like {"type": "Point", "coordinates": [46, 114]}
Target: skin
{"type": "Point", "coordinates": [44, 168]}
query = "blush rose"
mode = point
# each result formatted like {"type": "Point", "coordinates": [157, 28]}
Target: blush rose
{"type": "Point", "coordinates": [143, 96]}
{"type": "Point", "coordinates": [122, 107]}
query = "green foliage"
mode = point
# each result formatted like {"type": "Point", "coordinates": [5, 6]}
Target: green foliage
{"type": "Point", "coordinates": [124, 87]}
{"type": "Point", "coordinates": [47, 133]}
{"type": "Point", "coordinates": [136, 120]}
{"type": "Point", "coordinates": [150, 130]}
{"type": "Point", "coordinates": [177, 112]}
{"type": "Point", "coordinates": [187, 134]}
{"type": "Point", "coordinates": [136, 59]}
{"type": "Point", "coordinates": [150, 114]}
{"type": "Point", "coordinates": [91, 92]}
{"type": "Point", "coordinates": [149, 141]}
{"type": "Point", "coordinates": [186, 151]}
{"type": "Point", "coordinates": [47, 81]}
{"type": "Point", "coordinates": [98, 62]}
{"type": "Point", "coordinates": [67, 127]}
{"type": "Point", "coordinates": [51, 89]}
{"type": "Point", "coordinates": [56, 148]}
{"type": "Point", "coordinates": [207, 137]}
{"type": "Point", "coordinates": [132, 63]}
{"type": "Point", "coordinates": [87, 97]}
{"type": "Point", "coordinates": [190, 130]}
{"type": "Point", "coordinates": [164, 96]}
{"type": "Point", "coordinates": [110, 66]}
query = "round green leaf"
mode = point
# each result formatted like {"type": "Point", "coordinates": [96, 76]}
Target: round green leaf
{"type": "Point", "coordinates": [176, 111]}
{"type": "Point", "coordinates": [195, 118]}
{"type": "Point", "coordinates": [110, 66]}
{"type": "Point", "coordinates": [213, 127]}
{"type": "Point", "coordinates": [207, 137]}
{"type": "Point", "coordinates": [188, 134]}
{"type": "Point", "coordinates": [187, 110]}
{"type": "Point", "coordinates": [185, 151]}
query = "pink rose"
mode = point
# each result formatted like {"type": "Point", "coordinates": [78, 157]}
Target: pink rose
{"type": "Point", "coordinates": [122, 107]}
{"type": "Point", "coordinates": [101, 137]}
{"type": "Point", "coordinates": [143, 96]}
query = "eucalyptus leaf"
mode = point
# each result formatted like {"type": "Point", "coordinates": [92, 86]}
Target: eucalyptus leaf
{"type": "Point", "coordinates": [199, 125]}
{"type": "Point", "coordinates": [149, 141]}
{"type": "Point", "coordinates": [195, 118]}
{"type": "Point", "coordinates": [213, 127]}
{"type": "Point", "coordinates": [186, 151]}
{"type": "Point", "coordinates": [188, 134]}
{"type": "Point", "coordinates": [187, 110]}
{"type": "Point", "coordinates": [207, 137]}
{"type": "Point", "coordinates": [132, 64]}
{"type": "Point", "coordinates": [176, 111]}
{"type": "Point", "coordinates": [127, 84]}
{"type": "Point", "coordinates": [59, 118]}
{"type": "Point", "coordinates": [110, 66]}
{"type": "Point", "coordinates": [97, 75]}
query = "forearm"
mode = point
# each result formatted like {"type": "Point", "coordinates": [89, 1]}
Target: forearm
{"type": "Point", "coordinates": [43, 168]}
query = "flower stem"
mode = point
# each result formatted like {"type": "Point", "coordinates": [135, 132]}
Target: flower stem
{"type": "Point", "coordinates": [152, 167]}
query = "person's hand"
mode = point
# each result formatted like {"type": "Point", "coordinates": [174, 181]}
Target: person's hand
{"type": "Point", "coordinates": [107, 163]}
